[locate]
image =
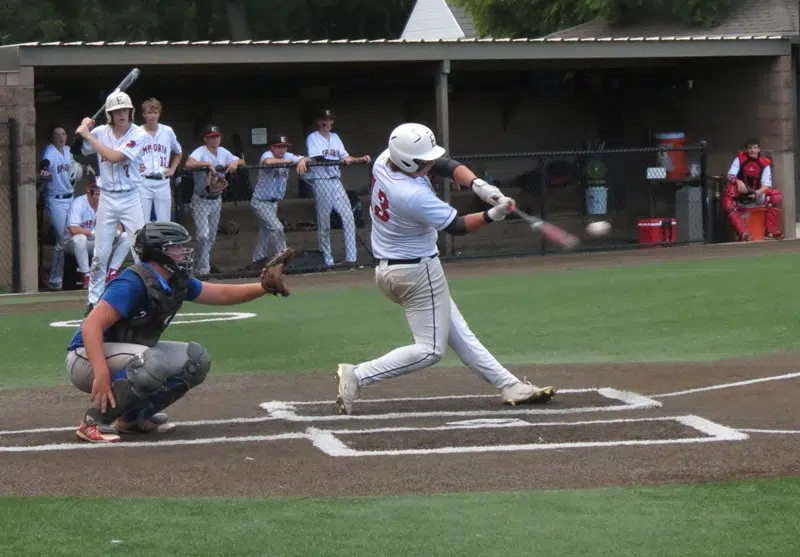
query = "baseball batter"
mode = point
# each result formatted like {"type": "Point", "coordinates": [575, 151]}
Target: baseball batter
{"type": "Point", "coordinates": [206, 207]}
{"type": "Point", "coordinates": [269, 189]}
{"type": "Point", "coordinates": [406, 219]}
{"type": "Point", "coordinates": [79, 234]}
{"type": "Point", "coordinates": [160, 157]}
{"type": "Point", "coordinates": [56, 166]}
{"type": "Point", "coordinates": [118, 145]}
{"type": "Point", "coordinates": [326, 145]}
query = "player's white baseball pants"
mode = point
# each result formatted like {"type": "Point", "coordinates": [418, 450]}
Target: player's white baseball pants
{"type": "Point", "coordinates": [271, 238]}
{"type": "Point", "coordinates": [435, 322]}
{"type": "Point", "coordinates": [82, 246]}
{"type": "Point", "coordinates": [330, 194]}
{"type": "Point", "coordinates": [156, 194]}
{"type": "Point", "coordinates": [113, 209]}
{"type": "Point", "coordinates": [205, 213]}
{"type": "Point", "coordinates": [57, 210]}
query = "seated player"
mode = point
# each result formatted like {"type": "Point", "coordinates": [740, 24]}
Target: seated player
{"type": "Point", "coordinates": [750, 183]}
{"type": "Point", "coordinates": [117, 354]}
{"type": "Point", "coordinates": [79, 234]}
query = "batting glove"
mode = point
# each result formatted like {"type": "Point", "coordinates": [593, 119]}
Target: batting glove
{"type": "Point", "coordinates": [503, 207]}
{"type": "Point", "coordinates": [487, 192]}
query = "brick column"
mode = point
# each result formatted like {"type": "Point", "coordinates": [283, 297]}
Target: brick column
{"type": "Point", "coordinates": [17, 101]}
{"type": "Point", "coordinates": [776, 120]}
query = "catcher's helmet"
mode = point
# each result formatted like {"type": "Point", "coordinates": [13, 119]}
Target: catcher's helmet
{"type": "Point", "coordinates": [412, 145]}
{"type": "Point", "coordinates": [116, 101]}
{"type": "Point", "coordinates": [154, 240]}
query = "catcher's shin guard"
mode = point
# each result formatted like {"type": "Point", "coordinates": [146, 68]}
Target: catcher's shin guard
{"type": "Point", "coordinates": [125, 399]}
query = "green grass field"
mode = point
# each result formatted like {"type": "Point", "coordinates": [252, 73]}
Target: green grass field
{"type": "Point", "coordinates": [687, 310]}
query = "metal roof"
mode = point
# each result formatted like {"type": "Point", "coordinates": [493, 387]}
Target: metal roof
{"type": "Point", "coordinates": [117, 53]}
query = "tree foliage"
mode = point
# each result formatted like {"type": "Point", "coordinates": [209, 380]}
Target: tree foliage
{"type": "Point", "coordinates": [176, 20]}
{"type": "Point", "coordinates": [534, 18]}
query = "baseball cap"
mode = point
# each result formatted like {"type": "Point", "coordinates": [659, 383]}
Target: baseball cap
{"type": "Point", "coordinates": [210, 130]}
{"type": "Point", "coordinates": [279, 139]}
{"type": "Point", "coordinates": [326, 113]}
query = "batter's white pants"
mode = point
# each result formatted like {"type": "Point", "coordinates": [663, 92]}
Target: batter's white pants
{"type": "Point", "coordinates": [271, 238]}
{"type": "Point", "coordinates": [156, 193]}
{"type": "Point", "coordinates": [82, 246]}
{"type": "Point", "coordinates": [330, 195]}
{"type": "Point", "coordinates": [57, 211]}
{"type": "Point", "coordinates": [113, 209]}
{"type": "Point", "coordinates": [435, 322]}
{"type": "Point", "coordinates": [205, 213]}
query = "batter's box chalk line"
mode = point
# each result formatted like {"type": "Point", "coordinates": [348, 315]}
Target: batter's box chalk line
{"type": "Point", "coordinates": [291, 411]}
{"type": "Point", "coordinates": [328, 441]}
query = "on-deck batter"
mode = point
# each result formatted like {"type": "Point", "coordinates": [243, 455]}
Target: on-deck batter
{"type": "Point", "coordinates": [406, 218]}
{"type": "Point", "coordinates": [160, 158]}
{"type": "Point", "coordinates": [118, 145]}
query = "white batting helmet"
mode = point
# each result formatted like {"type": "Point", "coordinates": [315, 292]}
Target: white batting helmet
{"type": "Point", "coordinates": [412, 144]}
{"type": "Point", "coordinates": [117, 101]}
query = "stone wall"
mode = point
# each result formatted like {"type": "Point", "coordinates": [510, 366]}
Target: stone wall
{"type": "Point", "coordinates": [16, 101]}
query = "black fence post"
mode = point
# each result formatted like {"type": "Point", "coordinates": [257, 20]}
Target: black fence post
{"type": "Point", "coordinates": [13, 195]}
{"type": "Point", "coordinates": [708, 222]}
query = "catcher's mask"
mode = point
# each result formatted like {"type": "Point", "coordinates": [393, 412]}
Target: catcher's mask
{"type": "Point", "coordinates": [166, 243]}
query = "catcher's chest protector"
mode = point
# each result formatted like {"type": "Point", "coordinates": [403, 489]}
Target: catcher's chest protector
{"type": "Point", "coordinates": [146, 329]}
{"type": "Point", "coordinates": [750, 170]}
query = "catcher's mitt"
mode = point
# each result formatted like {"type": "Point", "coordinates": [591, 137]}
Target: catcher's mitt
{"type": "Point", "coordinates": [271, 275]}
{"type": "Point", "coordinates": [215, 184]}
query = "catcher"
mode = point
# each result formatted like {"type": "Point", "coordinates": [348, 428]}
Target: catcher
{"type": "Point", "coordinates": [117, 356]}
{"type": "Point", "coordinates": [209, 164]}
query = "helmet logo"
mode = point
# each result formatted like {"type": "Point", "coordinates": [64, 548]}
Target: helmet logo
{"type": "Point", "coordinates": [433, 140]}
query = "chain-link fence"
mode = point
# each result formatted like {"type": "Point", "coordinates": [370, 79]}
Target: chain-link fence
{"type": "Point", "coordinates": [650, 196]}
{"type": "Point", "coordinates": [321, 213]}
{"type": "Point", "coordinates": [9, 183]}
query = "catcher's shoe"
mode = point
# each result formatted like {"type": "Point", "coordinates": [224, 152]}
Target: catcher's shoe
{"type": "Point", "coordinates": [157, 423]}
{"type": "Point", "coordinates": [349, 389]}
{"type": "Point", "coordinates": [93, 434]}
{"type": "Point", "coordinates": [525, 392]}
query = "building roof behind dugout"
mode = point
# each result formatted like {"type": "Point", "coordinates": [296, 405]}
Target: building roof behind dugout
{"type": "Point", "coordinates": [744, 17]}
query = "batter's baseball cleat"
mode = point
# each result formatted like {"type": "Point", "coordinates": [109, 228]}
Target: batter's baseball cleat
{"type": "Point", "coordinates": [157, 423]}
{"type": "Point", "coordinates": [93, 434]}
{"type": "Point", "coordinates": [349, 389]}
{"type": "Point", "coordinates": [525, 392]}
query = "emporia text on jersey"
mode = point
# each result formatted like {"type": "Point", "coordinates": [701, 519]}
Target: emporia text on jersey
{"type": "Point", "coordinates": [412, 144]}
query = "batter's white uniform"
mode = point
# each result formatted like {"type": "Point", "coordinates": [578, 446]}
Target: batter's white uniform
{"type": "Point", "coordinates": [59, 196]}
{"type": "Point", "coordinates": [120, 201]}
{"type": "Point", "coordinates": [406, 216]}
{"type": "Point", "coordinates": [81, 214]}
{"type": "Point", "coordinates": [207, 208]}
{"type": "Point", "coordinates": [330, 194]}
{"type": "Point", "coordinates": [156, 155]}
{"type": "Point", "coordinates": [270, 188]}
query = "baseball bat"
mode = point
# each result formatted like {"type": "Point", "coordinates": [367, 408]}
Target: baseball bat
{"type": "Point", "coordinates": [554, 233]}
{"type": "Point", "coordinates": [129, 80]}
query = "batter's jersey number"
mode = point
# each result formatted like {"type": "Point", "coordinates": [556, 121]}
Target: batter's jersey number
{"type": "Point", "coordinates": [381, 209]}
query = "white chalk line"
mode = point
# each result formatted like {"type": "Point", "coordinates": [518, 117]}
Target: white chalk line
{"type": "Point", "coordinates": [153, 444]}
{"type": "Point", "coordinates": [631, 401]}
{"type": "Point", "coordinates": [193, 423]}
{"type": "Point", "coordinates": [728, 385]}
{"type": "Point", "coordinates": [204, 318]}
{"type": "Point", "coordinates": [327, 442]}
{"type": "Point", "coordinates": [772, 431]}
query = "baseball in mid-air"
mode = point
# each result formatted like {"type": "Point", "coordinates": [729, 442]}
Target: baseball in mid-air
{"type": "Point", "coordinates": [599, 228]}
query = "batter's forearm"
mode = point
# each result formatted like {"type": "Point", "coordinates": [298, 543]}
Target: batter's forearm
{"type": "Point", "coordinates": [106, 152]}
{"type": "Point", "coordinates": [468, 223]}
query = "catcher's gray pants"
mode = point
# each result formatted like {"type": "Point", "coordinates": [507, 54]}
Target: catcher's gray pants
{"type": "Point", "coordinates": [330, 195]}
{"type": "Point", "coordinates": [271, 238]}
{"type": "Point", "coordinates": [118, 354]}
{"type": "Point", "coordinates": [435, 321]}
{"type": "Point", "coordinates": [57, 211]}
{"type": "Point", "coordinates": [205, 213]}
{"type": "Point", "coordinates": [82, 247]}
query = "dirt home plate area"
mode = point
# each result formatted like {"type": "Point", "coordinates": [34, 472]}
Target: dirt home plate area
{"type": "Point", "coordinates": [441, 430]}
